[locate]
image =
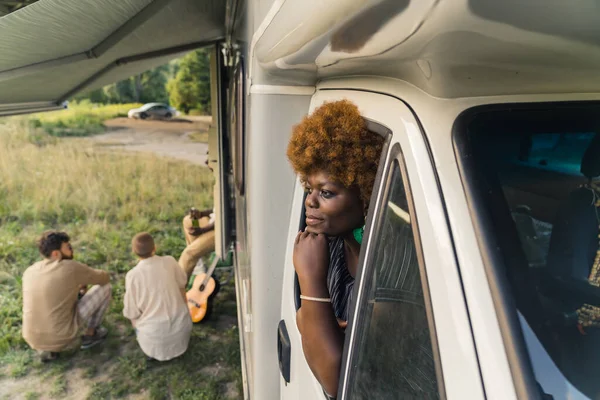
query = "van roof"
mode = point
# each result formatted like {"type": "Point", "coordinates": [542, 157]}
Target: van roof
{"type": "Point", "coordinates": [448, 48]}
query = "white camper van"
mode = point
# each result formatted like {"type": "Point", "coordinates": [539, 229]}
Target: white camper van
{"type": "Point", "coordinates": [491, 115]}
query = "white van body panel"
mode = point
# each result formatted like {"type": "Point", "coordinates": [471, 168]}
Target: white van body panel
{"type": "Point", "coordinates": [436, 116]}
{"type": "Point", "coordinates": [270, 185]}
{"type": "Point", "coordinates": [439, 58]}
{"type": "Point", "coordinates": [303, 384]}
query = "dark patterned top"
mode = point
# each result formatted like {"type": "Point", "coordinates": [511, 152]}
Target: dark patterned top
{"type": "Point", "coordinates": [339, 281]}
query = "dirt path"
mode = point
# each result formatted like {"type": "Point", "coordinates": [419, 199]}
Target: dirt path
{"type": "Point", "coordinates": [164, 138]}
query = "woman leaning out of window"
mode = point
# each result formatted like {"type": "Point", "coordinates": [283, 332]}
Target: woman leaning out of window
{"type": "Point", "coordinates": [336, 158]}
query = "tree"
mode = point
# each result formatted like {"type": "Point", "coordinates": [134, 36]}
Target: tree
{"type": "Point", "coordinates": [184, 82]}
{"type": "Point", "coordinates": [190, 88]}
{"type": "Point", "coordinates": [120, 92]}
{"type": "Point", "coordinates": [150, 86]}
{"type": "Point", "coordinates": [95, 96]}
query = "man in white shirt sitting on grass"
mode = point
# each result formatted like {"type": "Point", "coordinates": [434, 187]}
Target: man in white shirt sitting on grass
{"type": "Point", "coordinates": [155, 302]}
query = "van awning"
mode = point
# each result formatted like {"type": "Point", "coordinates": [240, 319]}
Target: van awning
{"type": "Point", "coordinates": [52, 49]}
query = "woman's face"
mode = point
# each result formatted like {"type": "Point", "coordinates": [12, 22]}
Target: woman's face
{"type": "Point", "coordinates": [331, 208]}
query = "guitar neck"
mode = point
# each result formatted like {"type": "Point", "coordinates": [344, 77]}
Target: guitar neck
{"type": "Point", "coordinates": [210, 271]}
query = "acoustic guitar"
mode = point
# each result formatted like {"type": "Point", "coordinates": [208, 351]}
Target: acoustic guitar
{"type": "Point", "coordinates": [200, 296]}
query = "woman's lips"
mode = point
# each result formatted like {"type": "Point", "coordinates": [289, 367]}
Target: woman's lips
{"type": "Point", "coordinates": [310, 221]}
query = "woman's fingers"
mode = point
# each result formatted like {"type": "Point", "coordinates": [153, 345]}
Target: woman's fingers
{"type": "Point", "coordinates": [304, 235]}
{"type": "Point", "coordinates": [300, 236]}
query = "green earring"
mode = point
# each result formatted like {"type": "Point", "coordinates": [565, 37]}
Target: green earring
{"type": "Point", "coordinates": [358, 234]}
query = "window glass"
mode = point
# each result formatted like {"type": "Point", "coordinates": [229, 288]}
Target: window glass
{"type": "Point", "coordinates": [394, 358]}
{"type": "Point", "coordinates": [535, 179]}
{"type": "Point", "coordinates": [559, 152]}
{"type": "Point", "coordinates": [237, 126]}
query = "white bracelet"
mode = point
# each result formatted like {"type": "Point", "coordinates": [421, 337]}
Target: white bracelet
{"type": "Point", "coordinates": [319, 299]}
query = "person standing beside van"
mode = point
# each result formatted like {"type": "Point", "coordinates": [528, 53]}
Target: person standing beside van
{"type": "Point", "coordinates": [336, 158]}
{"type": "Point", "coordinates": [155, 302]}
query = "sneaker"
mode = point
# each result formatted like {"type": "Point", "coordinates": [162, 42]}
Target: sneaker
{"type": "Point", "coordinates": [98, 337]}
{"type": "Point", "coordinates": [47, 356]}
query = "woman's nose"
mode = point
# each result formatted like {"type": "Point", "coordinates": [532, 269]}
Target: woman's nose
{"type": "Point", "coordinates": [311, 200]}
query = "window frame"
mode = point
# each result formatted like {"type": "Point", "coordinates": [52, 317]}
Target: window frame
{"type": "Point", "coordinates": [365, 274]}
{"type": "Point", "coordinates": [493, 257]}
{"type": "Point", "coordinates": [237, 129]}
{"type": "Point", "coordinates": [223, 204]}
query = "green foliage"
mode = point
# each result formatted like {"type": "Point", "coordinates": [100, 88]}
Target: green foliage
{"type": "Point", "coordinates": [19, 362]}
{"type": "Point", "coordinates": [59, 387]}
{"type": "Point", "coordinates": [97, 96]}
{"type": "Point", "coordinates": [184, 83]}
{"type": "Point", "coordinates": [190, 88]}
{"type": "Point", "coordinates": [121, 92]}
{"type": "Point", "coordinates": [151, 85]}
{"type": "Point", "coordinates": [147, 87]}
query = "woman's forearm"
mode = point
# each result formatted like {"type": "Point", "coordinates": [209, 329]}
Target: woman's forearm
{"type": "Point", "coordinates": [322, 342]}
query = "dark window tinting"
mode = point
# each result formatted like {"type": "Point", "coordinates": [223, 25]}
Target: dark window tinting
{"type": "Point", "coordinates": [533, 172]}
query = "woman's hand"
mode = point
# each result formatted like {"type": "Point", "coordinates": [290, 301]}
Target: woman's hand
{"type": "Point", "coordinates": [311, 261]}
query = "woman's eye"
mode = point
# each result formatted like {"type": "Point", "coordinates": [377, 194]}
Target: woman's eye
{"type": "Point", "coordinates": [326, 194]}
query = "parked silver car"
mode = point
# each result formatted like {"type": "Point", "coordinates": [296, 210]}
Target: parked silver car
{"type": "Point", "coordinates": [153, 110]}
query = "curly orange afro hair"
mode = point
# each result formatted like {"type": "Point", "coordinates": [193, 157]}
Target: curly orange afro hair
{"type": "Point", "coordinates": [334, 138]}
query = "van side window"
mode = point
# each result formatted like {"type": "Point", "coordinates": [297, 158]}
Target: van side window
{"type": "Point", "coordinates": [393, 358]}
{"type": "Point", "coordinates": [533, 177]}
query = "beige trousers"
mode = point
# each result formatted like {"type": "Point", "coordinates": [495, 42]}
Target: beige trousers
{"type": "Point", "coordinates": [197, 246]}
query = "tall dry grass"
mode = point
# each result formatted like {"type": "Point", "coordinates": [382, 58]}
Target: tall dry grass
{"type": "Point", "coordinates": [62, 181]}
{"type": "Point", "coordinates": [101, 199]}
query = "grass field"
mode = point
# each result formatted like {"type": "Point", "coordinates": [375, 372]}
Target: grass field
{"type": "Point", "coordinates": [101, 200]}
